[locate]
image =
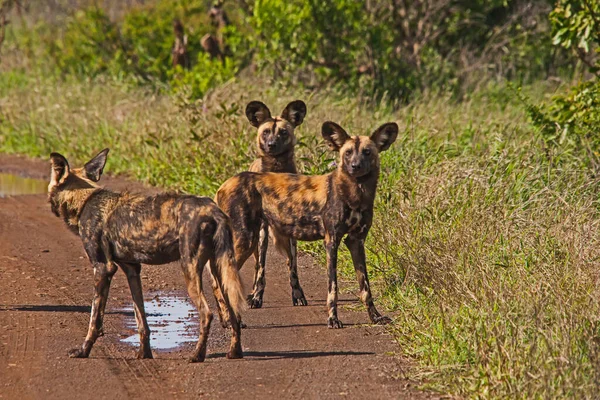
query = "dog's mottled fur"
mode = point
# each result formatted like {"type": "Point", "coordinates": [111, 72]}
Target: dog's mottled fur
{"type": "Point", "coordinates": [276, 142]}
{"type": "Point", "coordinates": [124, 230]}
{"type": "Point", "coordinates": [311, 208]}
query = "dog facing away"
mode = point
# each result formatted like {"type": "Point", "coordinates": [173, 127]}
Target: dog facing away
{"type": "Point", "coordinates": [276, 142]}
{"type": "Point", "coordinates": [317, 207]}
{"type": "Point", "coordinates": [122, 230]}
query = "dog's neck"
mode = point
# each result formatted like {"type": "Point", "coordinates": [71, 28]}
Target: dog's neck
{"type": "Point", "coordinates": [283, 162]}
{"type": "Point", "coordinates": [357, 193]}
{"type": "Point", "coordinates": [68, 204]}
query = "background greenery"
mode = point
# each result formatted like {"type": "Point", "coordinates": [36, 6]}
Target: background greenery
{"type": "Point", "coordinates": [485, 244]}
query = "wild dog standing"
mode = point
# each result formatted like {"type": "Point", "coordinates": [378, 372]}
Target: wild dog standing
{"type": "Point", "coordinates": [315, 207]}
{"type": "Point", "coordinates": [125, 230]}
{"type": "Point", "coordinates": [276, 142]}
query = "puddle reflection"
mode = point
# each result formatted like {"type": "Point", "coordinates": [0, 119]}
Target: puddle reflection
{"type": "Point", "coordinates": [13, 185]}
{"type": "Point", "coordinates": [173, 321]}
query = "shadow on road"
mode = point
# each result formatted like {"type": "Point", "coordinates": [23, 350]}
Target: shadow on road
{"type": "Point", "coordinates": [56, 308]}
{"type": "Point", "coordinates": [278, 355]}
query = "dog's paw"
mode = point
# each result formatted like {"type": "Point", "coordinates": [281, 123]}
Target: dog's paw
{"type": "Point", "coordinates": [334, 323]}
{"type": "Point", "coordinates": [77, 353]}
{"type": "Point", "coordinates": [234, 353]}
{"type": "Point", "coordinates": [198, 358]}
{"type": "Point", "coordinates": [144, 354]}
{"type": "Point", "coordinates": [381, 320]}
{"type": "Point", "coordinates": [255, 302]}
{"type": "Point", "coordinates": [298, 298]}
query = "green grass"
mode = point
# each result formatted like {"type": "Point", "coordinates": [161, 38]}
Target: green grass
{"type": "Point", "coordinates": [485, 241]}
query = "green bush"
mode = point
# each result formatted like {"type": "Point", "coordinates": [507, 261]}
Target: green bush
{"type": "Point", "coordinates": [204, 75]}
{"type": "Point", "coordinates": [381, 49]}
{"type": "Point", "coordinates": [90, 45]}
{"type": "Point", "coordinates": [571, 121]}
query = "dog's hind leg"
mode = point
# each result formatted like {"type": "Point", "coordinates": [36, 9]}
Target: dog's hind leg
{"type": "Point", "coordinates": [255, 300]}
{"type": "Point", "coordinates": [132, 271]}
{"type": "Point", "coordinates": [193, 279]}
{"type": "Point", "coordinates": [235, 321]}
{"type": "Point", "coordinates": [194, 256]}
{"type": "Point", "coordinates": [103, 273]}
{"type": "Point", "coordinates": [221, 305]}
{"type": "Point", "coordinates": [288, 246]}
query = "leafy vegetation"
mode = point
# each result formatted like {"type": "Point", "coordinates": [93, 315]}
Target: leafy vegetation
{"type": "Point", "coordinates": [377, 49]}
{"type": "Point", "coordinates": [572, 120]}
{"type": "Point", "coordinates": [485, 240]}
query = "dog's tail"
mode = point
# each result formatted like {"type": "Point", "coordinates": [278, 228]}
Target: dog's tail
{"type": "Point", "coordinates": [229, 276]}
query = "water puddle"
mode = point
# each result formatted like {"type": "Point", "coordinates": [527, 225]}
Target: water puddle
{"type": "Point", "coordinates": [13, 185]}
{"type": "Point", "coordinates": [172, 318]}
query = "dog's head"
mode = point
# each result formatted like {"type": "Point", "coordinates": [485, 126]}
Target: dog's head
{"type": "Point", "coordinates": [359, 155]}
{"type": "Point", "coordinates": [63, 178]}
{"type": "Point", "coordinates": [276, 135]}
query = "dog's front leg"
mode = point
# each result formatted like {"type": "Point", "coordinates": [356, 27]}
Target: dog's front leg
{"type": "Point", "coordinates": [102, 277]}
{"type": "Point", "coordinates": [331, 247]}
{"type": "Point", "coordinates": [356, 246]}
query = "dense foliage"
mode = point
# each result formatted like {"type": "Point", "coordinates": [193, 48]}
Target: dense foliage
{"type": "Point", "coordinates": [383, 48]}
{"type": "Point", "coordinates": [571, 121]}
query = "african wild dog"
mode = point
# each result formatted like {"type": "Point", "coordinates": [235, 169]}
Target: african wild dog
{"type": "Point", "coordinates": [276, 142]}
{"type": "Point", "coordinates": [315, 207]}
{"type": "Point", "coordinates": [124, 230]}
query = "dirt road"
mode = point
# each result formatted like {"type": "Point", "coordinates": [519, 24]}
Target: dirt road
{"type": "Point", "coordinates": [46, 291]}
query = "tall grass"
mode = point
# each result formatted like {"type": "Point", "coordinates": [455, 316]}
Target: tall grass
{"type": "Point", "coordinates": [485, 240]}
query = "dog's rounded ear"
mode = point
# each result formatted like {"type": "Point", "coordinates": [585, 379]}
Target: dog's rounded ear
{"type": "Point", "coordinates": [335, 136]}
{"type": "Point", "coordinates": [294, 112]}
{"type": "Point", "coordinates": [94, 167]}
{"type": "Point", "coordinates": [385, 135]}
{"type": "Point", "coordinates": [60, 168]}
{"type": "Point", "coordinates": [257, 113]}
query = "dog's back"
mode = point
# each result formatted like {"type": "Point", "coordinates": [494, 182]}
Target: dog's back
{"type": "Point", "coordinates": [146, 229]}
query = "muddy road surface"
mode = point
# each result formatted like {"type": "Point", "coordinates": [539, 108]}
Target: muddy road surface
{"type": "Point", "coordinates": [45, 296]}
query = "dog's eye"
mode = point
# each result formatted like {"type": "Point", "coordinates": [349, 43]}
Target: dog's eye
{"type": "Point", "coordinates": [348, 152]}
{"type": "Point", "coordinates": [367, 152]}
{"type": "Point", "coordinates": [266, 132]}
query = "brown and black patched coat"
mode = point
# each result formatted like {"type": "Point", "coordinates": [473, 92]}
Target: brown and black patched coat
{"type": "Point", "coordinates": [312, 208]}
{"type": "Point", "coordinates": [275, 142]}
{"type": "Point", "coordinates": [122, 230]}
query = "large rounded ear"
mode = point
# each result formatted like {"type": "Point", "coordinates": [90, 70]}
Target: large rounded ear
{"type": "Point", "coordinates": [60, 169]}
{"type": "Point", "coordinates": [294, 112]}
{"type": "Point", "coordinates": [257, 113]}
{"type": "Point", "coordinates": [385, 135]}
{"type": "Point", "coordinates": [335, 136]}
{"type": "Point", "coordinates": [94, 167]}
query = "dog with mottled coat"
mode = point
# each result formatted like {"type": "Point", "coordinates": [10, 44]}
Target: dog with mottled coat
{"type": "Point", "coordinates": [322, 207]}
{"type": "Point", "coordinates": [276, 143]}
{"type": "Point", "coordinates": [123, 230]}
